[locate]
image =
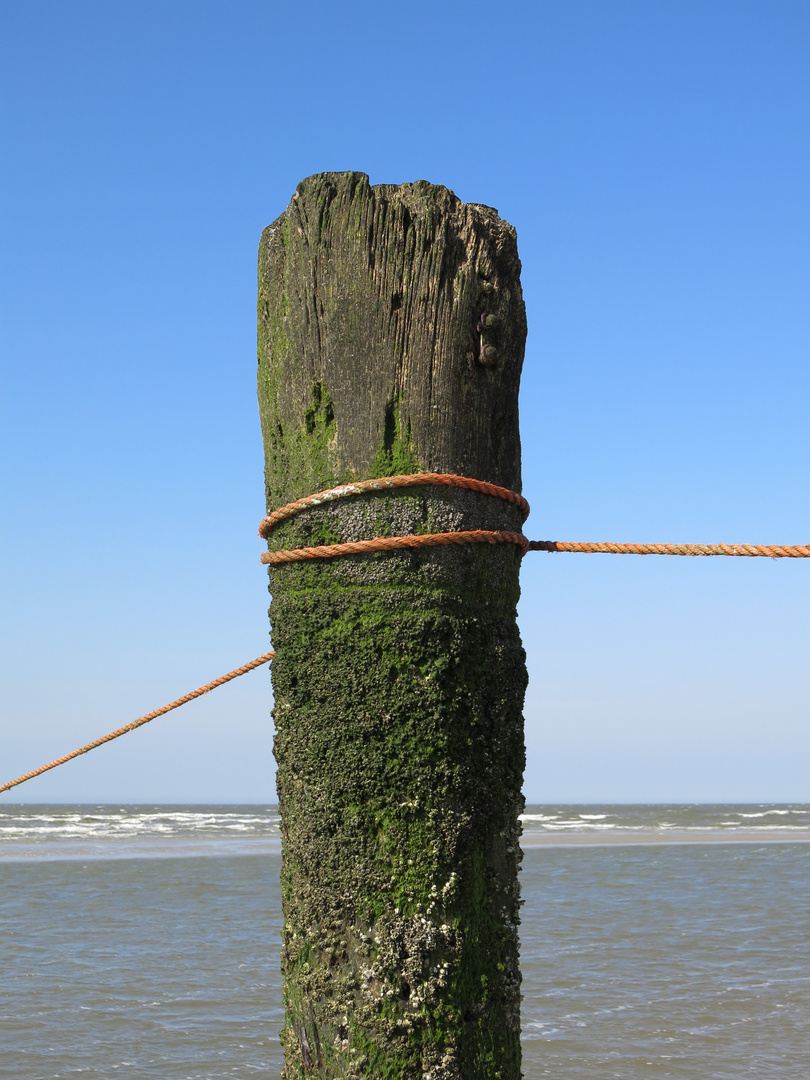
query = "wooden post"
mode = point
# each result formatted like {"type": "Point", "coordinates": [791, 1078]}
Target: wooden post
{"type": "Point", "coordinates": [399, 676]}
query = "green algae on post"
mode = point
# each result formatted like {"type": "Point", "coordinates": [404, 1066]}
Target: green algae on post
{"type": "Point", "coordinates": [399, 677]}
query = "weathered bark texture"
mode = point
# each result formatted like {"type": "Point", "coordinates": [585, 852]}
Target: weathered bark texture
{"type": "Point", "coordinates": [399, 677]}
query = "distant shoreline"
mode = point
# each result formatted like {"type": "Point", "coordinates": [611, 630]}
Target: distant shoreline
{"type": "Point", "coordinates": [188, 848]}
{"type": "Point", "coordinates": [585, 838]}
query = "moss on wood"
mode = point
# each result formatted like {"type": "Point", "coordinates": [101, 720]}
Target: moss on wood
{"type": "Point", "coordinates": [399, 677]}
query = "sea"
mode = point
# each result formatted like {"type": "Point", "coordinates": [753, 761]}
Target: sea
{"type": "Point", "coordinates": [656, 941]}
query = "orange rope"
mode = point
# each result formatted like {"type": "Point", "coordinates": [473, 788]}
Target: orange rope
{"type": "Point", "coordinates": [770, 551]}
{"type": "Point", "coordinates": [143, 720]}
{"type": "Point", "coordinates": [397, 543]}
{"type": "Point", "coordinates": [386, 483]}
{"type": "Point", "coordinates": [480, 536]}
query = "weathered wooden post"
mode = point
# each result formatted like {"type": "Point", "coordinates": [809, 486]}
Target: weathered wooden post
{"type": "Point", "coordinates": [391, 330]}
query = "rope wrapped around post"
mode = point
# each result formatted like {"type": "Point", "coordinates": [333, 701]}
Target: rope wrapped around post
{"type": "Point", "coordinates": [481, 536]}
{"type": "Point", "coordinates": [398, 543]}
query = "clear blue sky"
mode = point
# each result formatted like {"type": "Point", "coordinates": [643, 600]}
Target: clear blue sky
{"type": "Point", "coordinates": [654, 160]}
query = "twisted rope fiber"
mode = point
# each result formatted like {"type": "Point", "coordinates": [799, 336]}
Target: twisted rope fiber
{"type": "Point", "coordinates": [396, 543]}
{"type": "Point", "coordinates": [480, 536]}
{"type": "Point", "coordinates": [142, 720]}
{"type": "Point", "coordinates": [769, 551]}
{"type": "Point", "coordinates": [386, 483]}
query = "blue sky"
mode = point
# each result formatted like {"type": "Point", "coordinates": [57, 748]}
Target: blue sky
{"type": "Point", "coordinates": [654, 160]}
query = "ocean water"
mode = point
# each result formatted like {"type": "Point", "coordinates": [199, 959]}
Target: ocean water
{"type": "Point", "coordinates": [656, 941]}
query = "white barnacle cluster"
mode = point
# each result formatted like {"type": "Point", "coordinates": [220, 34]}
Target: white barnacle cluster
{"type": "Point", "coordinates": [450, 887]}
{"type": "Point", "coordinates": [413, 963]}
{"type": "Point", "coordinates": [341, 1039]}
{"type": "Point", "coordinates": [440, 1064]}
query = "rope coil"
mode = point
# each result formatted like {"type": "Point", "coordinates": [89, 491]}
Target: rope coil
{"type": "Point", "coordinates": [388, 483]}
{"type": "Point", "coordinates": [396, 543]}
{"type": "Point", "coordinates": [481, 536]}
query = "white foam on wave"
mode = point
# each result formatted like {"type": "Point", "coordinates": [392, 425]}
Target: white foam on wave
{"type": "Point", "coordinates": [140, 825]}
{"type": "Point", "coordinates": [687, 821]}
{"type": "Point", "coordinates": [164, 828]}
{"type": "Point", "coordinates": [575, 823]}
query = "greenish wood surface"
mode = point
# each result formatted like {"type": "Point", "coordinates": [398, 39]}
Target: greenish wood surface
{"type": "Point", "coordinates": [399, 677]}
